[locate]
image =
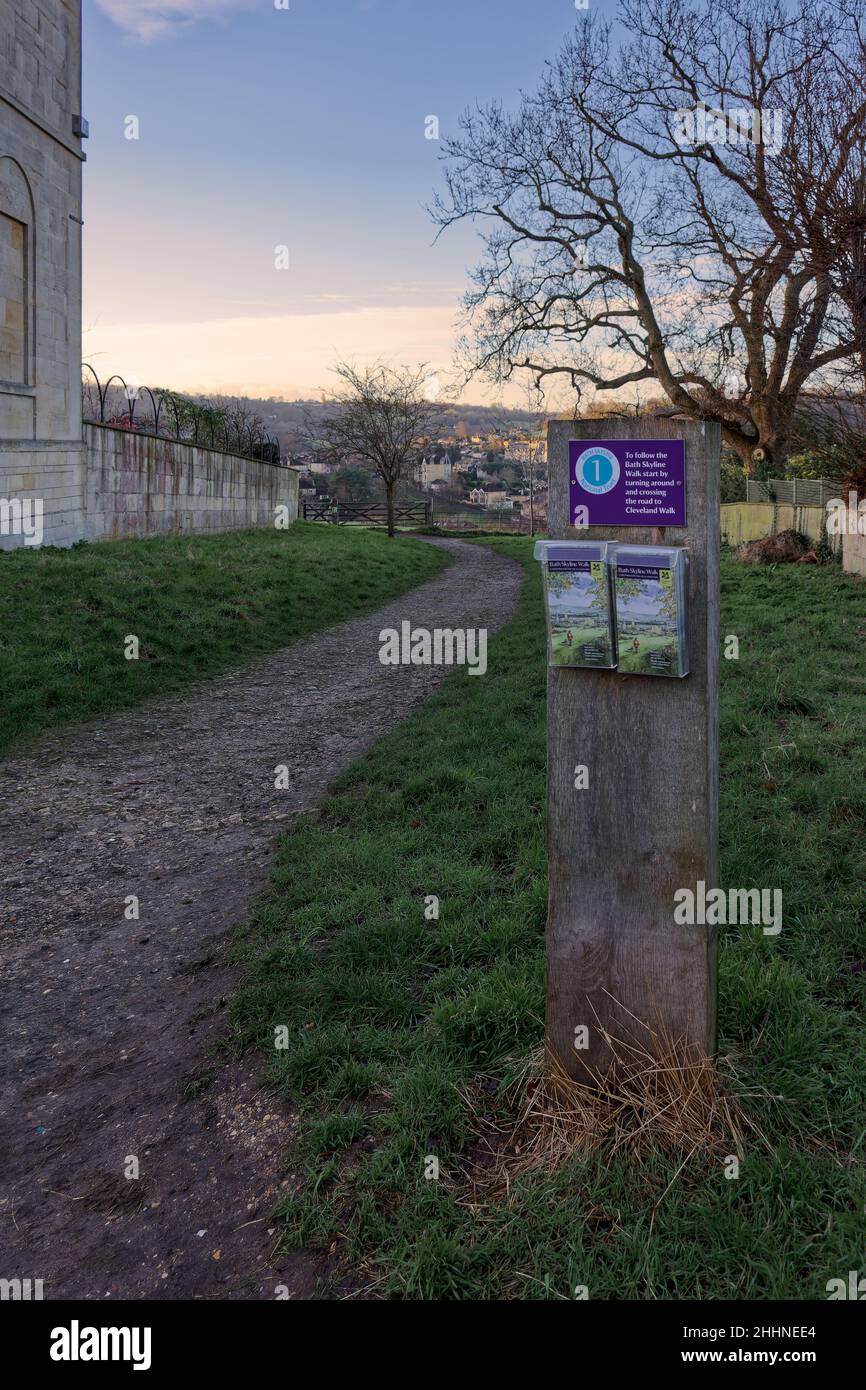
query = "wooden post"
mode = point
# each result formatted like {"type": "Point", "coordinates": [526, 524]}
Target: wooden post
{"type": "Point", "coordinates": [647, 822]}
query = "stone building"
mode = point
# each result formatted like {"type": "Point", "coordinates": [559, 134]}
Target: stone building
{"type": "Point", "coordinates": [432, 470]}
{"type": "Point", "coordinates": [61, 483]}
{"type": "Point", "coordinates": [41, 129]}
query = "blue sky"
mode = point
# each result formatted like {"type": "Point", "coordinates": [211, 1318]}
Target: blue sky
{"type": "Point", "coordinates": [262, 127]}
{"type": "Point", "coordinates": [581, 593]}
{"type": "Point", "coordinates": [646, 604]}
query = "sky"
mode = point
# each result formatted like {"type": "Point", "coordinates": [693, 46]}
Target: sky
{"type": "Point", "coordinates": [581, 593]}
{"type": "Point", "coordinates": [645, 604]}
{"type": "Point", "coordinates": [296, 124]}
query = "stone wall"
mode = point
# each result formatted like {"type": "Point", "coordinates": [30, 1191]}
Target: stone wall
{"type": "Point", "coordinates": [141, 485]}
{"type": "Point", "coordinates": [49, 476]}
{"type": "Point", "coordinates": [40, 257]}
{"type": "Point", "coordinates": [129, 484]}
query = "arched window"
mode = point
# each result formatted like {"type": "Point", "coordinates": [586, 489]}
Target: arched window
{"type": "Point", "coordinates": [16, 274]}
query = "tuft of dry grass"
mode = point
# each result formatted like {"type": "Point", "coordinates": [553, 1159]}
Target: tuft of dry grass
{"type": "Point", "coordinates": [661, 1096]}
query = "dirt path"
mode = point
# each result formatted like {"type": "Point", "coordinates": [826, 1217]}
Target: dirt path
{"type": "Point", "coordinates": [109, 1024]}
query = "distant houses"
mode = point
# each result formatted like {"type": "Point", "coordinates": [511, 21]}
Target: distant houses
{"type": "Point", "coordinates": [459, 472]}
{"type": "Point", "coordinates": [432, 470]}
{"type": "Point", "coordinates": [488, 496]}
{"type": "Point", "coordinates": [497, 498]}
{"type": "Point", "coordinates": [646, 627]}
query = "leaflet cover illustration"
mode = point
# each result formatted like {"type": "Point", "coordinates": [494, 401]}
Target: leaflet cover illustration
{"type": "Point", "coordinates": [578, 602]}
{"type": "Point", "coordinates": [650, 595]}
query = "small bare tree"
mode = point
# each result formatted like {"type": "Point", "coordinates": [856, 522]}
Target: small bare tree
{"type": "Point", "coordinates": [381, 415]}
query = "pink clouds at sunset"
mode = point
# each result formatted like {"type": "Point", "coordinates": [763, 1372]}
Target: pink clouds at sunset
{"type": "Point", "coordinates": [152, 19]}
{"type": "Point", "coordinates": [259, 177]}
{"type": "Point", "coordinates": [287, 355]}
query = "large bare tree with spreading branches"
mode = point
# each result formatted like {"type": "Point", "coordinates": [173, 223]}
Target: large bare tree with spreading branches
{"type": "Point", "coordinates": [382, 415]}
{"type": "Point", "coordinates": [671, 206]}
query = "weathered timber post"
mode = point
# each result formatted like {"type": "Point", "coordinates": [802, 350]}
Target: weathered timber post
{"type": "Point", "coordinates": [646, 823]}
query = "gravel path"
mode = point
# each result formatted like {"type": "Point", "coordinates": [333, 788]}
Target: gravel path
{"type": "Point", "coordinates": [110, 1022]}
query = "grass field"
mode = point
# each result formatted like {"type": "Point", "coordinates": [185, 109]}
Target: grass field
{"type": "Point", "coordinates": [393, 1019]}
{"type": "Point", "coordinates": [638, 663]}
{"type": "Point", "coordinates": [565, 654]}
{"type": "Point", "coordinates": [197, 604]}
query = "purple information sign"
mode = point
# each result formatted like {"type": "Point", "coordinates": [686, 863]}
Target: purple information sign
{"type": "Point", "coordinates": [627, 482]}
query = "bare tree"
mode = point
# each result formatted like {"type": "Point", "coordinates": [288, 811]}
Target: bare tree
{"type": "Point", "coordinates": [828, 190]}
{"type": "Point", "coordinates": [382, 415]}
{"type": "Point", "coordinates": [652, 212]}
{"type": "Point", "coordinates": [832, 428]}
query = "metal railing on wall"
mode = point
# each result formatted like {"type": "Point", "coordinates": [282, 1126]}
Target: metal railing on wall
{"type": "Point", "coordinates": [171, 416]}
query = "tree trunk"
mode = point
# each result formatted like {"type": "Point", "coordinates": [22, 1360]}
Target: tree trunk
{"type": "Point", "coordinates": [770, 466]}
{"type": "Point", "coordinates": [389, 492]}
{"type": "Point", "coordinates": [744, 454]}
{"type": "Point", "coordinates": [759, 468]}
